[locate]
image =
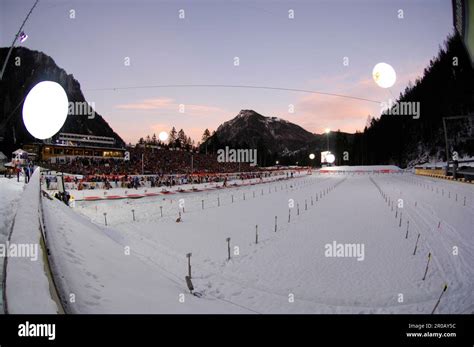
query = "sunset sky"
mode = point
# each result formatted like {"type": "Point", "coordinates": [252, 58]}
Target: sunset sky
{"type": "Point", "coordinates": [306, 52]}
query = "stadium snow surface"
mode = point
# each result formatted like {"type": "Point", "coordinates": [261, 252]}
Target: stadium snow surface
{"type": "Point", "coordinates": [93, 262]}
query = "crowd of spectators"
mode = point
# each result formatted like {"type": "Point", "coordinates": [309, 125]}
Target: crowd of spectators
{"type": "Point", "coordinates": [137, 181]}
{"type": "Point", "coordinates": [151, 161]}
{"type": "Point", "coordinates": [149, 167]}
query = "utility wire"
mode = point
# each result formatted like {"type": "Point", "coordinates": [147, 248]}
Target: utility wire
{"type": "Point", "coordinates": [233, 86]}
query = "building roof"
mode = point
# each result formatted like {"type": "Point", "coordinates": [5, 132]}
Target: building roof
{"type": "Point", "coordinates": [19, 151]}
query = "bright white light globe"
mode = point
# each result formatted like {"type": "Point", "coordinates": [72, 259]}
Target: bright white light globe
{"type": "Point", "coordinates": [45, 109]}
{"type": "Point", "coordinates": [384, 75]}
{"type": "Point", "coordinates": [330, 158]}
{"type": "Point", "coordinates": [312, 156]}
{"type": "Point", "coordinates": [163, 136]}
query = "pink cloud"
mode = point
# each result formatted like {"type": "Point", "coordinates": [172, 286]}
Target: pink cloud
{"type": "Point", "coordinates": [148, 104]}
{"type": "Point", "coordinates": [169, 104]}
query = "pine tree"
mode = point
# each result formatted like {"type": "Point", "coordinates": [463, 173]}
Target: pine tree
{"type": "Point", "coordinates": [187, 143]}
{"type": "Point", "coordinates": [182, 138]}
{"type": "Point", "coordinates": [206, 135]}
{"type": "Point", "coordinates": [172, 137]}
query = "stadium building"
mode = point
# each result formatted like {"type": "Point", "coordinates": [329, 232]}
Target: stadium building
{"type": "Point", "coordinates": [70, 146]}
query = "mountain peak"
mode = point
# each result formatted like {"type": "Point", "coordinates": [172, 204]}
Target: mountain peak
{"type": "Point", "coordinates": [271, 136]}
{"type": "Point", "coordinates": [244, 113]}
{"type": "Point", "coordinates": [247, 114]}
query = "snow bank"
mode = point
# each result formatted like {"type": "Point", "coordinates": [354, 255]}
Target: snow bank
{"type": "Point", "coordinates": [10, 191]}
{"type": "Point", "coordinates": [27, 286]}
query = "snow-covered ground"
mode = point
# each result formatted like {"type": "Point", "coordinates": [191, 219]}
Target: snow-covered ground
{"type": "Point", "coordinates": [10, 193]}
{"type": "Point", "coordinates": [137, 263]}
{"type": "Point", "coordinates": [27, 285]}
